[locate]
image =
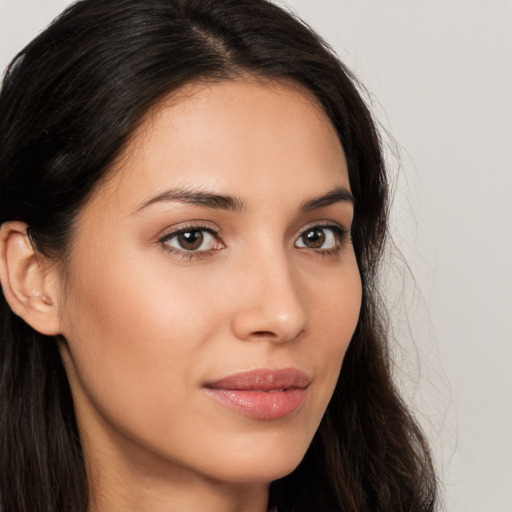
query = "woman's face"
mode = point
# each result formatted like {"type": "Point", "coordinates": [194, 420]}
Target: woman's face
{"type": "Point", "coordinates": [212, 289]}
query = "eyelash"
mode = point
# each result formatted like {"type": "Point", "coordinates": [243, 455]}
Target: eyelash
{"type": "Point", "coordinates": [340, 233]}
{"type": "Point", "coordinates": [190, 254]}
{"type": "Point", "coordinates": [341, 236]}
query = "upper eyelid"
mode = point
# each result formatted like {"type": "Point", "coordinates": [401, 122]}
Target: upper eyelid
{"type": "Point", "coordinates": [324, 224]}
{"type": "Point", "coordinates": [193, 226]}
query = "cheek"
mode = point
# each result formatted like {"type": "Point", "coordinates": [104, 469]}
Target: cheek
{"type": "Point", "coordinates": [133, 333]}
{"type": "Point", "coordinates": [335, 307]}
{"type": "Point", "coordinates": [343, 310]}
{"type": "Point", "coordinates": [137, 349]}
{"type": "Point", "coordinates": [117, 318]}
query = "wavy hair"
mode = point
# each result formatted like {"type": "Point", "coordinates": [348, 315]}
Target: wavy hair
{"type": "Point", "coordinates": [68, 105]}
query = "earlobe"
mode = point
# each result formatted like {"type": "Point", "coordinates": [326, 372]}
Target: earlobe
{"type": "Point", "coordinates": [29, 286]}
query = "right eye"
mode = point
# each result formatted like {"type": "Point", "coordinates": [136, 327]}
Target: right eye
{"type": "Point", "coordinates": [191, 241]}
{"type": "Point", "coordinates": [198, 240]}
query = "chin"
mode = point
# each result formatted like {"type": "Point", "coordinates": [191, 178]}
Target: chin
{"type": "Point", "coordinates": [264, 473]}
{"type": "Point", "coordinates": [260, 465]}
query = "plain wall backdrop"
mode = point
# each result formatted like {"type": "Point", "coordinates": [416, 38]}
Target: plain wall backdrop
{"type": "Point", "coordinates": [439, 74]}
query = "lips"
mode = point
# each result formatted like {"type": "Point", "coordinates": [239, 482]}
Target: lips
{"type": "Point", "coordinates": [262, 394]}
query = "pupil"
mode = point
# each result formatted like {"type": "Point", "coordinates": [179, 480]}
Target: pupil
{"type": "Point", "coordinates": [314, 238]}
{"type": "Point", "coordinates": [190, 240]}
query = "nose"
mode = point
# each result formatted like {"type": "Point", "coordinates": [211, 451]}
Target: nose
{"type": "Point", "coordinates": [269, 302]}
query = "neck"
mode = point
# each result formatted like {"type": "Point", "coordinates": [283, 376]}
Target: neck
{"type": "Point", "coordinates": [170, 496]}
{"type": "Point", "coordinates": [126, 479]}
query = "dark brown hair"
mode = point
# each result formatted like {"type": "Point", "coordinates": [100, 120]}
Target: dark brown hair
{"type": "Point", "coordinates": [69, 103]}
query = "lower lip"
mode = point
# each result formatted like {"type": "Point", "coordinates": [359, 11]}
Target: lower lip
{"type": "Point", "coordinates": [261, 405]}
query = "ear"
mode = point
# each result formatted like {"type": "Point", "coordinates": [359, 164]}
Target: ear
{"type": "Point", "coordinates": [30, 284]}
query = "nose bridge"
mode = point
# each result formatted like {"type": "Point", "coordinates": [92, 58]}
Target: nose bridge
{"type": "Point", "coordinates": [271, 304]}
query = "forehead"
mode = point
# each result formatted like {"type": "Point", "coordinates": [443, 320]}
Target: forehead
{"type": "Point", "coordinates": [237, 136]}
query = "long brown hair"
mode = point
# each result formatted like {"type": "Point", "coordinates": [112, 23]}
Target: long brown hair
{"type": "Point", "coordinates": [68, 104]}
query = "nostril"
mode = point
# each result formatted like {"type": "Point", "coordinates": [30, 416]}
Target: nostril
{"type": "Point", "coordinates": [264, 334]}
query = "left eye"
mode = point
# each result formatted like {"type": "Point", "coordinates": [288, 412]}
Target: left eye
{"type": "Point", "coordinates": [318, 238]}
{"type": "Point", "coordinates": [197, 240]}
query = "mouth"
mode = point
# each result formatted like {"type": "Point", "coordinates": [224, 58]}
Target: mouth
{"type": "Point", "coordinates": [262, 394]}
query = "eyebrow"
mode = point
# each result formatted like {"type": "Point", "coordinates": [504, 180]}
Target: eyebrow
{"type": "Point", "coordinates": [198, 197]}
{"type": "Point", "coordinates": [231, 203]}
{"type": "Point", "coordinates": [337, 195]}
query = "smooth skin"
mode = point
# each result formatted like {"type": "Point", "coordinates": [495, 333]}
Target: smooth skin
{"type": "Point", "coordinates": [218, 244]}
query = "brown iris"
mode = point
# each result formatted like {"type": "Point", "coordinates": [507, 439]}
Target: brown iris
{"type": "Point", "coordinates": [314, 238]}
{"type": "Point", "coordinates": [190, 240]}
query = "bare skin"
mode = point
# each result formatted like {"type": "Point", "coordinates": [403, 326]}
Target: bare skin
{"type": "Point", "coordinates": [219, 244]}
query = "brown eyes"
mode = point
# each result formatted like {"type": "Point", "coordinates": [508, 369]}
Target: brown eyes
{"type": "Point", "coordinates": [198, 241]}
{"type": "Point", "coordinates": [193, 240]}
{"type": "Point", "coordinates": [327, 239]}
{"type": "Point", "coordinates": [315, 238]}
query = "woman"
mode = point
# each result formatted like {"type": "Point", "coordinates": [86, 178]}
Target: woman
{"type": "Point", "coordinates": [193, 208]}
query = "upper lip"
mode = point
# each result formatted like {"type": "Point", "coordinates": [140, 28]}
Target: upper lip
{"type": "Point", "coordinates": [262, 380]}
